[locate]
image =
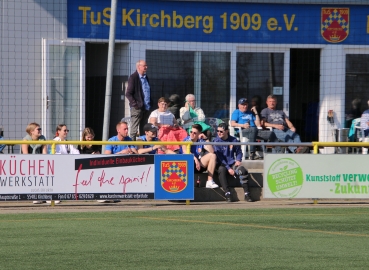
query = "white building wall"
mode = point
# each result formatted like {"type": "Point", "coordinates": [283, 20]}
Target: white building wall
{"type": "Point", "coordinates": [23, 25]}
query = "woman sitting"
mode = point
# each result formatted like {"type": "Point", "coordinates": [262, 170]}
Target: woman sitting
{"type": "Point", "coordinates": [61, 135]}
{"type": "Point", "coordinates": [167, 124]}
{"type": "Point", "coordinates": [88, 135]}
{"type": "Point", "coordinates": [34, 134]}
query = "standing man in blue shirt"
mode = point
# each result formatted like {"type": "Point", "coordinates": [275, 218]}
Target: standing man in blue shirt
{"type": "Point", "coordinates": [138, 94]}
{"type": "Point", "coordinates": [122, 130]}
{"type": "Point", "coordinates": [248, 121]}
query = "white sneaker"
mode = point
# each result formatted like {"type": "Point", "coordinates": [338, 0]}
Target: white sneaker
{"type": "Point", "coordinates": [56, 202]}
{"type": "Point", "coordinates": [211, 184]}
{"type": "Point", "coordinates": [102, 201]}
{"type": "Point", "coordinates": [37, 202]}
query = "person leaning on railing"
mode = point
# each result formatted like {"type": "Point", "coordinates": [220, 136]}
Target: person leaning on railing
{"type": "Point", "coordinates": [151, 132]}
{"type": "Point", "coordinates": [122, 136]}
{"type": "Point", "coordinates": [88, 135]}
{"type": "Point", "coordinates": [34, 134]}
{"type": "Point", "coordinates": [61, 133]}
{"type": "Point", "coordinates": [2, 146]}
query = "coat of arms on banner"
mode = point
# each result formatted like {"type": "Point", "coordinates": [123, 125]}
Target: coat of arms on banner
{"type": "Point", "coordinates": [174, 176]}
{"type": "Point", "coordinates": [335, 24]}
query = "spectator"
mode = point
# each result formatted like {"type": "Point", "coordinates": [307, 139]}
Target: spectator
{"type": "Point", "coordinates": [138, 94]}
{"type": "Point", "coordinates": [203, 155]}
{"type": "Point", "coordinates": [174, 105]}
{"type": "Point", "coordinates": [61, 135]}
{"type": "Point", "coordinates": [222, 112]}
{"type": "Point", "coordinates": [248, 121]}
{"type": "Point", "coordinates": [150, 136]}
{"type": "Point", "coordinates": [354, 112]}
{"type": "Point", "coordinates": [263, 133]}
{"type": "Point", "coordinates": [190, 114]}
{"type": "Point", "coordinates": [229, 162]}
{"type": "Point", "coordinates": [34, 134]}
{"type": "Point", "coordinates": [2, 146]}
{"type": "Point", "coordinates": [122, 130]}
{"type": "Point", "coordinates": [88, 135]}
{"type": "Point", "coordinates": [364, 122]}
{"type": "Point", "coordinates": [256, 102]}
{"type": "Point", "coordinates": [169, 129]}
{"type": "Point", "coordinates": [282, 126]}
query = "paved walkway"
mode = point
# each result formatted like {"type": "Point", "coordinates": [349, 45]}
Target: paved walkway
{"type": "Point", "coordinates": [151, 205]}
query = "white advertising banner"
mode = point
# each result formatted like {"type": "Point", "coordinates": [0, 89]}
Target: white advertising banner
{"type": "Point", "coordinates": [73, 177]}
{"type": "Point", "coordinates": [316, 176]}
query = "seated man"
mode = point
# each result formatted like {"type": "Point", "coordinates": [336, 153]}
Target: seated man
{"type": "Point", "coordinates": [2, 146]}
{"type": "Point", "coordinates": [248, 121]}
{"type": "Point", "coordinates": [203, 155]}
{"type": "Point", "coordinates": [229, 162]}
{"type": "Point", "coordinates": [364, 122]}
{"type": "Point", "coordinates": [150, 136]}
{"type": "Point", "coordinates": [282, 126]}
{"type": "Point", "coordinates": [122, 130]}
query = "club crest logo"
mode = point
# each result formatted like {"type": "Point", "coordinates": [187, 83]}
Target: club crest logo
{"type": "Point", "coordinates": [335, 24]}
{"type": "Point", "coordinates": [174, 176]}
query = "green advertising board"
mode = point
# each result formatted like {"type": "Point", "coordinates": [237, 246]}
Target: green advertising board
{"type": "Point", "coordinates": [316, 176]}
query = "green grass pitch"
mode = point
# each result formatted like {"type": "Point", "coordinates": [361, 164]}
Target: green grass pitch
{"type": "Point", "coordinates": [320, 238]}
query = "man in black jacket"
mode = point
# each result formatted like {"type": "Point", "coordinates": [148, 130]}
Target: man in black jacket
{"type": "Point", "coordinates": [138, 94]}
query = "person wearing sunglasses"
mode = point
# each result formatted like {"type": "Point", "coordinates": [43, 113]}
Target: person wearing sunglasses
{"type": "Point", "coordinates": [34, 134]}
{"type": "Point", "coordinates": [203, 155]}
{"type": "Point", "coordinates": [61, 134]}
{"type": "Point", "coordinates": [229, 162]}
{"type": "Point", "coordinates": [150, 136]}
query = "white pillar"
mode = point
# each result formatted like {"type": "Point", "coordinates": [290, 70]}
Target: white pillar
{"type": "Point", "coordinates": [332, 90]}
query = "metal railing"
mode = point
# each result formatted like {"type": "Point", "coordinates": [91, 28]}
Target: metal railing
{"type": "Point", "coordinates": [314, 145]}
{"type": "Point", "coordinates": [54, 143]}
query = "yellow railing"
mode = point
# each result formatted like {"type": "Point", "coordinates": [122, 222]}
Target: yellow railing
{"type": "Point", "coordinates": [54, 143]}
{"type": "Point", "coordinates": [316, 145]}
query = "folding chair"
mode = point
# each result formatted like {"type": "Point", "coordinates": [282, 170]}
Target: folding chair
{"type": "Point", "coordinates": [244, 148]}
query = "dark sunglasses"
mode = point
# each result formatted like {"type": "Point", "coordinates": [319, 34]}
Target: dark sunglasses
{"type": "Point", "coordinates": [67, 130]}
{"type": "Point", "coordinates": [220, 131]}
{"type": "Point", "coordinates": [192, 132]}
{"type": "Point", "coordinates": [38, 128]}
